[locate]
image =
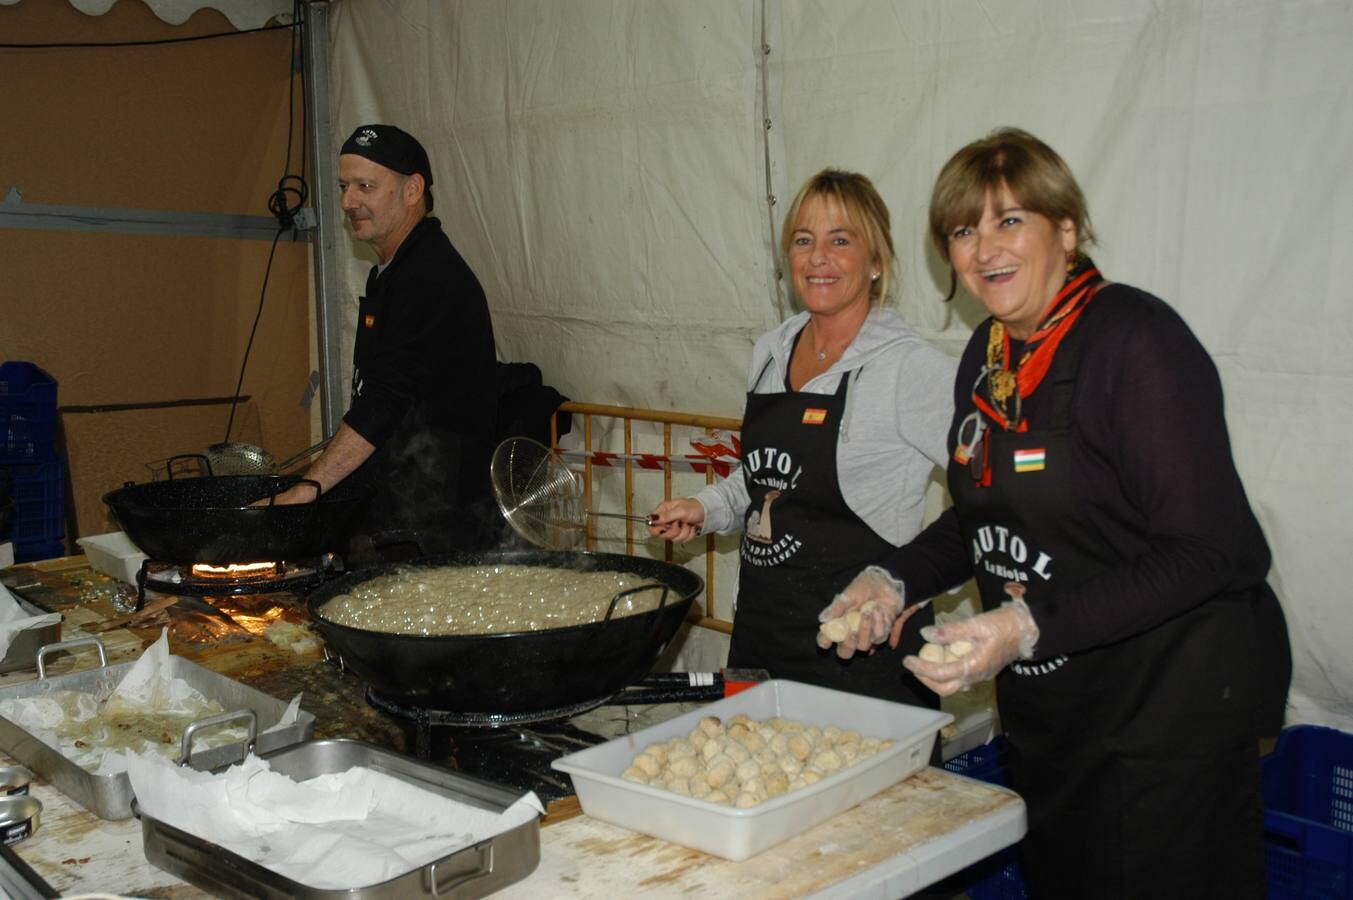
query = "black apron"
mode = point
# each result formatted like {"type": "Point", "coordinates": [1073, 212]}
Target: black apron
{"type": "Point", "coordinates": [1119, 806]}
{"type": "Point", "coordinates": [802, 545]}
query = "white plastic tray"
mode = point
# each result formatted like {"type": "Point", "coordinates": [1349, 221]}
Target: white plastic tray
{"type": "Point", "coordinates": [734, 833]}
{"type": "Point", "coordinates": [113, 554]}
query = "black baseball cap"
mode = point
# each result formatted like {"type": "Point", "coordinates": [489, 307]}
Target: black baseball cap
{"type": "Point", "coordinates": [391, 147]}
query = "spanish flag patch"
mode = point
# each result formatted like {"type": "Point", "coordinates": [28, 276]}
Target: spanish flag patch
{"type": "Point", "coordinates": [1034, 460]}
{"type": "Point", "coordinates": [814, 416]}
{"type": "Point", "coordinates": [369, 320]}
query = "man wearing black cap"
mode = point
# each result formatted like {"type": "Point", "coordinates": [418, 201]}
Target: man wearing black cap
{"type": "Point", "coordinates": [420, 426]}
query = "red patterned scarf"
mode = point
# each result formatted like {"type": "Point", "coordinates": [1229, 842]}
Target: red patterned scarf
{"type": "Point", "coordinates": [1006, 387]}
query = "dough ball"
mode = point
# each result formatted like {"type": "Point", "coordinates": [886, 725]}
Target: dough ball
{"type": "Point", "coordinates": [698, 738]}
{"type": "Point", "coordinates": [959, 649]}
{"type": "Point", "coordinates": [746, 800]}
{"type": "Point", "coordinates": [799, 747]}
{"type": "Point", "coordinates": [737, 751]}
{"type": "Point", "coordinates": [813, 733]}
{"type": "Point", "coordinates": [679, 747]}
{"type": "Point", "coordinates": [740, 719]}
{"type": "Point", "coordinates": [849, 737]}
{"type": "Point", "coordinates": [831, 733]}
{"type": "Point", "coordinates": [658, 752]}
{"type": "Point", "coordinates": [808, 776]}
{"type": "Point", "coordinates": [716, 796]}
{"type": "Point", "coordinates": [853, 619]}
{"type": "Point", "coordinates": [849, 752]}
{"type": "Point", "coordinates": [711, 725]}
{"type": "Point", "coordinates": [638, 776]}
{"type": "Point", "coordinates": [680, 786]}
{"type": "Point", "coordinates": [754, 742]}
{"type": "Point", "coordinates": [780, 743]}
{"type": "Point", "coordinates": [647, 764]}
{"type": "Point", "coordinates": [748, 769]}
{"type": "Point", "coordinates": [826, 761]}
{"type": "Point", "coordinates": [933, 653]}
{"type": "Point", "coordinates": [699, 786]}
{"type": "Point", "coordinates": [713, 747]}
{"type": "Point", "coordinates": [720, 771]}
{"type": "Point", "coordinates": [776, 784]}
{"type": "Point", "coordinates": [767, 757]}
{"type": "Point", "coordinates": [790, 765]}
{"type": "Point", "coordinates": [684, 766]}
{"type": "Point", "coordinates": [835, 630]}
{"type": "Point", "coordinates": [738, 731]}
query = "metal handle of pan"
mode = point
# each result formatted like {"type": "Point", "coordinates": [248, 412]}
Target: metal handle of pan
{"type": "Point", "coordinates": [67, 645]}
{"type": "Point", "coordinates": [248, 715]}
{"type": "Point", "coordinates": [662, 601]}
{"type": "Point", "coordinates": [202, 463]}
{"type": "Point", "coordinates": [482, 865]}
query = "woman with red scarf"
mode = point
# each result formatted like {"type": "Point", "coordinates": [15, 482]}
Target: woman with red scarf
{"type": "Point", "coordinates": [1138, 653]}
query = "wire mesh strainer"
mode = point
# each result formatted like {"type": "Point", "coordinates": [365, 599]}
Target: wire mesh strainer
{"type": "Point", "coordinates": [540, 496]}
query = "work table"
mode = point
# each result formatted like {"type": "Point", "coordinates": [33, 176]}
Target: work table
{"type": "Point", "coordinates": [906, 837]}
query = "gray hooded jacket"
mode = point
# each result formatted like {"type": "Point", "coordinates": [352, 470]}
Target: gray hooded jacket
{"type": "Point", "coordinates": [898, 410]}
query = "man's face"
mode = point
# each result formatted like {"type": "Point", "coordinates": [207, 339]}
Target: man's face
{"type": "Point", "coordinates": [376, 200]}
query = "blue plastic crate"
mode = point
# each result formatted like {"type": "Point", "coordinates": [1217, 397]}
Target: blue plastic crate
{"type": "Point", "coordinates": [27, 413]}
{"type": "Point", "coordinates": [1308, 814]}
{"type": "Point", "coordinates": [998, 877]}
{"type": "Point", "coordinates": [39, 493]}
{"type": "Point", "coordinates": [39, 550]}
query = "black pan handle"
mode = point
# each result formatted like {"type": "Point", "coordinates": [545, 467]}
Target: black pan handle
{"type": "Point", "coordinates": [662, 601]}
{"type": "Point", "coordinates": [282, 489]}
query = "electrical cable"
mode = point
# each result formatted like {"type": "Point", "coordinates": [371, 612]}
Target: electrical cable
{"type": "Point", "coordinates": [80, 45]}
{"type": "Point", "coordinates": [291, 194]}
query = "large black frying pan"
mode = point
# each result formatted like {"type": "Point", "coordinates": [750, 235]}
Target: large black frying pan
{"type": "Point", "coordinates": [517, 672]}
{"type": "Point", "coordinates": [210, 520]}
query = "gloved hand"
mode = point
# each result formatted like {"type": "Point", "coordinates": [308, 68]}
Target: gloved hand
{"type": "Point", "coordinates": [862, 615]}
{"type": "Point", "coordinates": [998, 638]}
{"type": "Point", "coordinates": [677, 520]}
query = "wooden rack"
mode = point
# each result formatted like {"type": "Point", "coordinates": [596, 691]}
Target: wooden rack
{"type": "Point", "coordinates": [628, 416]}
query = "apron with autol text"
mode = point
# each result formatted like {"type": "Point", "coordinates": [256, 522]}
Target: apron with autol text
{"type": "Point", "coordinates": [1113, 799]}
{"type": "Point", "coordinates": [802, 544]}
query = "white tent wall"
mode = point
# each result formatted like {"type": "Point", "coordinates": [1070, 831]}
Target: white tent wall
{"type": "Point", "coordinates": [602, 165]}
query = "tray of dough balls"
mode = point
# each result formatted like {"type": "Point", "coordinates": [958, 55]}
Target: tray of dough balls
{"type": "Point", "coordinates": [741, 775]}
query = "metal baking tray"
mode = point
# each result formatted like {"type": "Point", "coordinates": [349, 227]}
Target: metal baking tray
{"type": "Point", "coordinates": [474, 871]}
{"type": "Point", "coordinates": [110, 796]}
{"type": "Point", "coordinates": [23, 649]}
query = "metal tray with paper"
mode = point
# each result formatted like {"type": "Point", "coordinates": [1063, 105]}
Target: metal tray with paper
{"type": "Point", "coordinates": [23, 649]}
{"type": "Point", "coordinates": [110, 796]}
{"type": "Point", "coordinates": [471, 871]}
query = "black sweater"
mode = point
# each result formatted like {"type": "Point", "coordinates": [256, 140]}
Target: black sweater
{"type": "Point", "coordinates": [424, 388]}
{"type": "Point", "coordinates": [1151, 461]}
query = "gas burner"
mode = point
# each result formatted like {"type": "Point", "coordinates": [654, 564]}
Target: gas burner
{"type": "Point", "coordinates": [436, 717]}
{"type": "Point", "coordinates": [510, 749]}
{"type": "Point", "coordinates": [198, 580]}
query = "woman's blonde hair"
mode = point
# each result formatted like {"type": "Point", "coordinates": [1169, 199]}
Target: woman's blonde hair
{"type": "Point", "coordinates": [864, 210]}
{"type": "Point", "coordinates": [1038, 179]}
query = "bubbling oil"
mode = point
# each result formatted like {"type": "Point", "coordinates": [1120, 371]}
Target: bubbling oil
{"type": "Point", "coordinates": [489, 599]}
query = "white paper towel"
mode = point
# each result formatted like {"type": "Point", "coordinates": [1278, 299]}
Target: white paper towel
{"type": "Point", "coordinates": [14, 619]}
{"type": "Point", "coordinates": [341, 831]}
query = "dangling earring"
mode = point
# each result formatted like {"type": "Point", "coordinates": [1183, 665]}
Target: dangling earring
{"type": "Point", "coordinates": [874, 277]}
{"type": "Point", "coordinates": [1073, 259]}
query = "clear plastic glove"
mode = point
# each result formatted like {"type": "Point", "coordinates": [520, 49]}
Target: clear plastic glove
{"type": "Point", "coordinates": [677, 521]}
{"type": "Point", "coordinates": [998, 638]}
{"type": "Point", "coordinates": [862, 615]}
